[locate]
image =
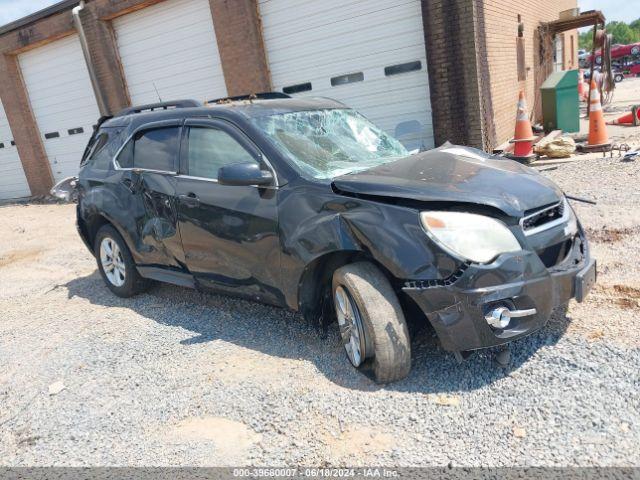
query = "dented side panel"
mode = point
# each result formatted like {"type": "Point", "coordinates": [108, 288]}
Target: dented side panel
{"type": "Point", "coordinates": [142, 207]}
{"type": "Point", "coordinates": [314, 222]}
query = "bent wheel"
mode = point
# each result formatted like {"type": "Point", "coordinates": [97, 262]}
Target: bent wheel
{"type": "Point", "coordinates": [371, 321]}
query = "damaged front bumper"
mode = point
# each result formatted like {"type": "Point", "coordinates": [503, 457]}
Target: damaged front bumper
{"type": "Point", "coordinates": [519, 281]}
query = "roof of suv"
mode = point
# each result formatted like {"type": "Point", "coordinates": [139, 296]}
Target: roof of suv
{"type": "Point", "coordinates": [224, 108]}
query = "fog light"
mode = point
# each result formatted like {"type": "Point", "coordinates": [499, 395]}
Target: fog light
{"type": "Point", "coordinates": [500, 317]}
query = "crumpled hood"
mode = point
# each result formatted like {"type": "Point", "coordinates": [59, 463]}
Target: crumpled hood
{"type": "Point", "coordinates": [456, 174]}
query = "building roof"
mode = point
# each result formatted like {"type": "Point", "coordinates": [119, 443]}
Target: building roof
{"type": "Point", "coordinates": [39, 15]}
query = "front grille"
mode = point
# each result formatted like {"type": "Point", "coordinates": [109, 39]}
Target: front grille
{"type": "Point", "coordinates": [541, 218]}
{"type": "Point", "coordinates": [555, 254]}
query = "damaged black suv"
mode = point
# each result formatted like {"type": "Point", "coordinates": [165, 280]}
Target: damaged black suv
{"type": "Point", "coordinates": [304, 204]}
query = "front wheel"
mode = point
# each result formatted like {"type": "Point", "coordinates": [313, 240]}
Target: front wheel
{"type": "Point", "coordinates": [371, 321]}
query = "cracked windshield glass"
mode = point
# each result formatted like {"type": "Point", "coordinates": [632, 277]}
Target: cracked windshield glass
{"type": "Point", "coordinates": [330, 143]}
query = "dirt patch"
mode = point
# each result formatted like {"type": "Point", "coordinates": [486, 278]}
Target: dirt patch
{"type": "Point", "coordinates": [17, 256]}
{"type": "Point", "coordinates": [609, 235]}
{"type": "Point", "coordinates": [624, 296]}
{"type": "Point", "coordinates": [232, 440]}
{"type": "Point", "coordinates": [627, 303]}
{"type": "Point", "coordinates": [627, 290]}
{"type": "Point", "coordinates": [248, 365]}
{"type": "Point", "coordinates": [357, 443]}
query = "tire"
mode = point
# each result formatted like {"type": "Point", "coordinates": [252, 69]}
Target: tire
{"type": "Point", "coordinates": [618, 78]}
{"type": "Point", "coordinates": [386, 342]}
{"type": "Point", "coordinates": [128, 284]}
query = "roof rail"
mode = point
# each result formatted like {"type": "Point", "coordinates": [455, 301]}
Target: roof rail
{"type": "Point", "coordinates": [252, 96]}
{"type": "Point", "coordinates": [159, 106]}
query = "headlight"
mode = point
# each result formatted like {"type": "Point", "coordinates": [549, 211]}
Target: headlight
{"type": "Point", "coordinates": [474, 237]}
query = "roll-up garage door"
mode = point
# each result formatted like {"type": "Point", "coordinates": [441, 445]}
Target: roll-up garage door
{"type": "Point", "coordinates": [169, 51]}
{"type": "Point", "coordinates": [62, 100]}
{"type": "Point", "coordinates": [369, 54]}
{"type": "Point", "coordinates": [13, 183]}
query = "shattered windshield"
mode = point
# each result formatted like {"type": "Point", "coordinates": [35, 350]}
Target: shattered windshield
{"type": "Point", "coordinates": [329, 143]}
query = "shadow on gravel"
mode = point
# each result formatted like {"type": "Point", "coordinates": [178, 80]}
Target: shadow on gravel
{"type": "Point", "coordinates": [280, 333]}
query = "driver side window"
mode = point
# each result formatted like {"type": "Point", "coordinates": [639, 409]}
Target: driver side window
{"type": "Point", "coordinates": [209, 149]}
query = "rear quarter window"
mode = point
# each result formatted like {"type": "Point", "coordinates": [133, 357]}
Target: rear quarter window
{"type": "Point", "coordinates": [103, 149]}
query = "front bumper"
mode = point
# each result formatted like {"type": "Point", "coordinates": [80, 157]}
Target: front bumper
{"type": "Point", "coordinates": [520, 281]}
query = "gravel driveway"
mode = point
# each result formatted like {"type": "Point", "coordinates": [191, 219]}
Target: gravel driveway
{"type": "Point", "coordinates": [176, 377]}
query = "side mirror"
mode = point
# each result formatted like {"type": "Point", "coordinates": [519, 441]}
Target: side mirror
{"type": "Point", "coordinates": [248, 173]}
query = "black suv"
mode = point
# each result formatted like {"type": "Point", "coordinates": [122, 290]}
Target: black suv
{"type": "Point", "coordinates": [304, 204]}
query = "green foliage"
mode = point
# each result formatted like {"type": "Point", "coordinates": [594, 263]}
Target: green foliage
{"type": "Point", "coordinates": [623, 33]}
{"type": "Point", "coordinates": [585, 39]}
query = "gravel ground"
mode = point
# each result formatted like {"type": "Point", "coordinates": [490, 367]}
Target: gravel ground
{"type": "Point", "coordinates": [176, 377]}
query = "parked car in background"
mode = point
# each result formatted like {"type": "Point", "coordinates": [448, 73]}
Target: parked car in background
{"type": "Point", "coordinates": [306, 205]}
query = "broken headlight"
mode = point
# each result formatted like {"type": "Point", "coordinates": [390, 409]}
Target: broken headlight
{"type": "Point", "coordinates": [469, 236]}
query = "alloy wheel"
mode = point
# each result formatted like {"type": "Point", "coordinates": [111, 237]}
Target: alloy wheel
{"type": "Point", "coordinates": [351, 327]}
{"type": "Point", "coordinates": [112, 262]}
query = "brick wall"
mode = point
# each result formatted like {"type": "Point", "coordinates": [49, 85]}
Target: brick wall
{"type": "Point", "coordinates": [16, 102]}
{"type": "Point", "coordinates": [239, 37]}
{"type": "Point", "coordinates": [450, 39]}
{"type": "Point", "coordinates": [499, 20]}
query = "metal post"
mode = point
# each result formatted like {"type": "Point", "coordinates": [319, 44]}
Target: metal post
{"type": "Point", "coordinates": [102, 105]}
{"type": "Point", "coordinates": [593, 61]}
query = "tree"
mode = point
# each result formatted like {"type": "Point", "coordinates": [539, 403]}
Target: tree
{"type": "Point", "coordinates": [622, 33]}
{"type": "Point", "coordinates": [585, 39]}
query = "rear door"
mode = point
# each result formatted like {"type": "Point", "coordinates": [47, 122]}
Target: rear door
{"type": "Point", "coordinates": [229, 233]}
{"type": "Point", "coordinates": [145, 194]}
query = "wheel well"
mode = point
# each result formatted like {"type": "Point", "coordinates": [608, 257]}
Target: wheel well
{"type": "Point", "coordinates": [314, 290]}
{"type": "Point", "coordinates": [91, 226]}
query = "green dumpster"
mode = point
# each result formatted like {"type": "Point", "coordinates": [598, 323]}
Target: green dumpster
{"type": "Point", "coordinates": [560, 103]}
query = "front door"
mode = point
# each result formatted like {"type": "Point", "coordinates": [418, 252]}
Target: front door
{"type": "Point", "coordinates": [229, 233]}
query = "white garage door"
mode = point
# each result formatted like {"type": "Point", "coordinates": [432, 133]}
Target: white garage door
{"type": "Point", "coordinates": [170, 47]}
{"type": "Point", "coordinates": [369, 54]}
{"type": "Point", "coordinates": [62, 101]}
{"type": "Point", "coordinates": [13, 183]}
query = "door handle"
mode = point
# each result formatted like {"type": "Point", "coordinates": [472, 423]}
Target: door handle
{"type": "Point", "coordinates": [190, 199]}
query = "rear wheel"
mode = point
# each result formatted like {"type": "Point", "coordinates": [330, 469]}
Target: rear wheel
{"type": "Point", "coordinates": [116, 264]}
{"type": "Point", "coordinates": [372, 325]}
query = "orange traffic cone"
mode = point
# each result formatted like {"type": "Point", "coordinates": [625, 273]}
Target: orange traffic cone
{"type": "Point", "coordinates": [632, 118]}
{"type": "Point", "coordinates": [597, 128]}
{"type": "Point", "coordinates": [582, 93]}
{"type": "Point", "coordinates": [523, 138]}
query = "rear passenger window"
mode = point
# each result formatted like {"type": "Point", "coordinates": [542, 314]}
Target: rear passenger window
{"type": "Point", "coordinates": [155, 149]}
{"type": "Point", "coordinates": [209, 149]}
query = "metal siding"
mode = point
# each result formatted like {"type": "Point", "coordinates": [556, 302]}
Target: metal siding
{"type": "Point", "coordinates": [310, 41]}
{"type": "Point", "coordinates": [62, 98]}
{"type": "Point", "coordinates": [13, 182]}
{"type": "Point", "coordinates": [172, 45]}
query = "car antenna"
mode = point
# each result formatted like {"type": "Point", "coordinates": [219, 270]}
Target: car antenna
{"type": "Point", "coordinates": [157, 93]}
